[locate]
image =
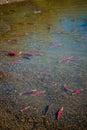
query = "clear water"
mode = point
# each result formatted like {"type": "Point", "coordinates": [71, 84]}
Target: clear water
{"type": "Point", "coordinates": [37, 27]}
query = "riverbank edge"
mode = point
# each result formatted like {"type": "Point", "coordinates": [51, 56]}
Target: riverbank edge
{"type": "Point", "coordinates": [9, 1]}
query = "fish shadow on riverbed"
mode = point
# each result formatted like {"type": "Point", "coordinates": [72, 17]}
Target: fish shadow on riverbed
{"type": "Point", "coordinates": [46, 109]}
{"type": "Point", "coordinates": [56, 115]}
{"type": "Point", "coordinates": [64, 90]}
{"type": "Point", "coordinates": [26, 57]}
{"type": "Point", "coordinates": [69, 92]}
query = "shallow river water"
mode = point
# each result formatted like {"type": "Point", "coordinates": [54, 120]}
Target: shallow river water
{"type": "Point", "coordinates": [51, 40]}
